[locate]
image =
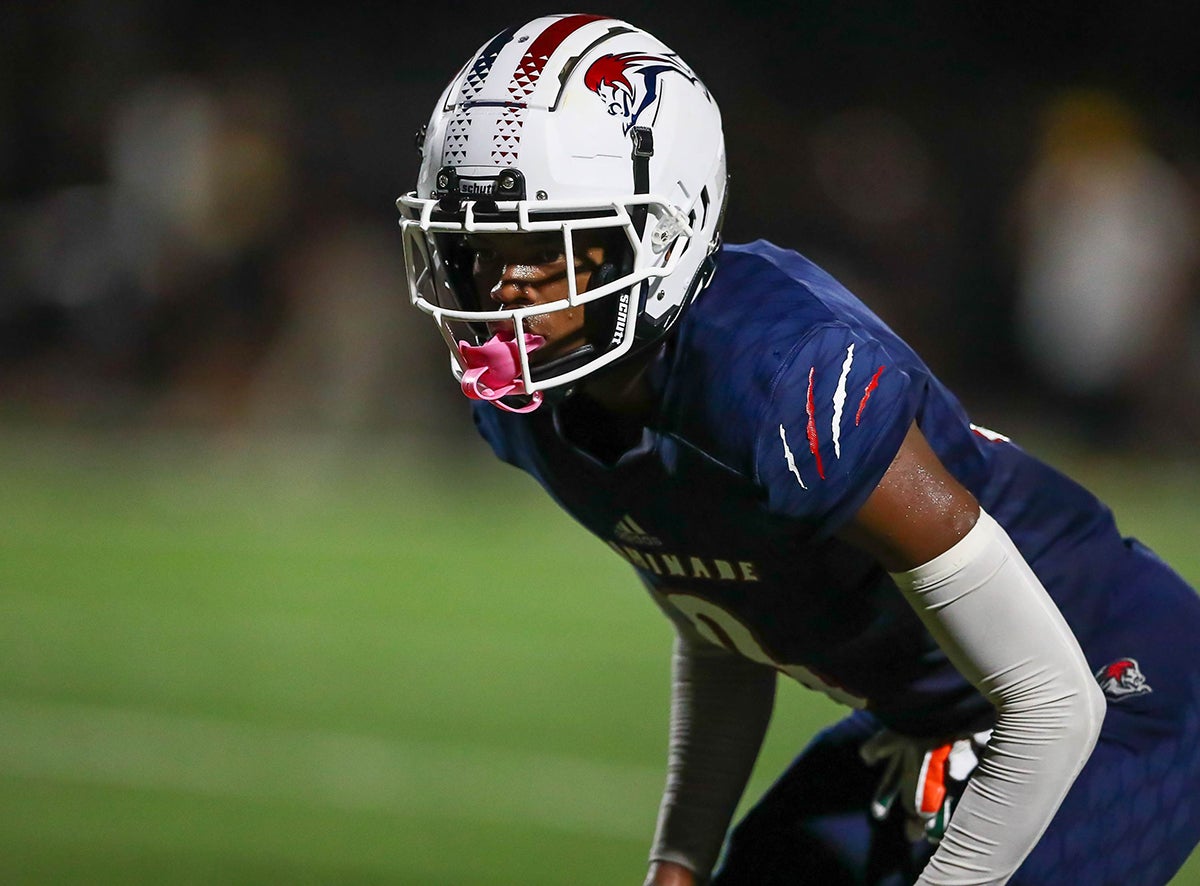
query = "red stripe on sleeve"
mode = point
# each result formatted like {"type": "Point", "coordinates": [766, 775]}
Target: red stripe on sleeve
{"type": "Point", "coordinates": [814, 445]}
{"type": "Point", "coordinates": [870, 389]}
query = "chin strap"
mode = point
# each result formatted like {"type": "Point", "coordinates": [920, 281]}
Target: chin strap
{"type": "Point", "coordinates": [494, 370]}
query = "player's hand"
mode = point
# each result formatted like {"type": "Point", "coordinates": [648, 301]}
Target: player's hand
{"type": "Point", "coordinates": [928, 781]}
{"type": "Point", "coordinates": [667, 873]}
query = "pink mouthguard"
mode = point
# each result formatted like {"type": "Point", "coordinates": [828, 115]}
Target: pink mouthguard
{"type": "Point", "coordinates": [494, 369]}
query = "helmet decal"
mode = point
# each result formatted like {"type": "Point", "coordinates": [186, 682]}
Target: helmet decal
{"type": "Point", "coordinates": [454, 151]}
{"type": "Point", "coordinates": [529, 71]}
{"type": "Point", "coordinates": [506, 140]}
{"type": "Point", "coordinates": [507, 137]}
{"type": "Point", "coordinates": [608, 77]}
{"type": "Point", "coordinates": [474, 80]}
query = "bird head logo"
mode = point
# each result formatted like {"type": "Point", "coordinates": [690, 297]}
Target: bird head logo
{"type": "Point", "coordinates": [1122, 678]}
{"type": "Point", "coordinates": [630, 83]}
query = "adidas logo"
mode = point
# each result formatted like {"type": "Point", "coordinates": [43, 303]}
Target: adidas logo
{"type": "Point", "coordinates": [629, 532]}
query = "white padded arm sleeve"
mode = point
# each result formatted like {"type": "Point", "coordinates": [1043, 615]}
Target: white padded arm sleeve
{"type": "Point", "coordinates": [720, 707]}
{"type": "Point", "coordinates": [990, 613]}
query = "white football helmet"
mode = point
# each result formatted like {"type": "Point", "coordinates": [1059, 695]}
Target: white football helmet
{"type": "Point", "coordinates": [568, 123]}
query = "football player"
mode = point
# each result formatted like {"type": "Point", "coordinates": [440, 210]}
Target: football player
{"type": "Point", "coordinates": [802, 497]}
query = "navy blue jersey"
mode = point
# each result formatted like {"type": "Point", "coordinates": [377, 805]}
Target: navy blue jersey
{"type": "Point", "coordinates": [782, 402]}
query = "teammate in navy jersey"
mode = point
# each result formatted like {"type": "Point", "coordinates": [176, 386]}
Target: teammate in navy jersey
{"type": "Point", "coordinates": [801, 496]}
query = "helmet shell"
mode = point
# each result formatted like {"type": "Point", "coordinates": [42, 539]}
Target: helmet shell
{"type": "Point", "coordinates": [561, 116]}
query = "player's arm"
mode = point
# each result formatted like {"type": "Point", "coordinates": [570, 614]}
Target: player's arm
{"type": "Point", "coordinates": [720, 707]}
{"type": "Point", "coordinates": [669, 873]}
{"type": "Point", "coordinates": [987, 609]}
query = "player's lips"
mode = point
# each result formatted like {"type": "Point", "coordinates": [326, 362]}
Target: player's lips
{"type": "Point", "coordinates": [495, 326]}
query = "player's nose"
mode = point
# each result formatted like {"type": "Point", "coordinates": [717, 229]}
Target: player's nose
{"type": "Point", "coordinates": [513, 289]}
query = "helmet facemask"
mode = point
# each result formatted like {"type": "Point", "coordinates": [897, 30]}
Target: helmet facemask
{"type": "Point", "coordinates": [444, 249]}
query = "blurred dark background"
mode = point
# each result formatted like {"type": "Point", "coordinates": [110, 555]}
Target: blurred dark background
{"type": "Point", "coordinates": [198, 230]}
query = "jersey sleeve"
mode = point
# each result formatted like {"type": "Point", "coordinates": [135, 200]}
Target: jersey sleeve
{"type": "Point", "coordinates": [837, 413]}
{"type": "Point", "coordinates": [487, 422]}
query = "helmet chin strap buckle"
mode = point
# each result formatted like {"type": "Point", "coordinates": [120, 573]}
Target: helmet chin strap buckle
{"type": "Point", "coordinates": [494, 370]}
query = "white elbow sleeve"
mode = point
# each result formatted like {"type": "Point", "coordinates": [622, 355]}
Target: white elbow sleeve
{"type": "Point", "coordinates": [721, 705]}
{"type": "Point", "coordinates": [995, 621]}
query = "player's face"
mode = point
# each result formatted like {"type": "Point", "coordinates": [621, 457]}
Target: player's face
{"type": "Point", "coordinates": [521, 270]}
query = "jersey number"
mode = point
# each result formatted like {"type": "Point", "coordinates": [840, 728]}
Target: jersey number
{"type": "Point", "coordinates": [721, 628]}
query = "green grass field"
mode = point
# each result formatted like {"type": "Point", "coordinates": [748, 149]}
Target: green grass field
{"type": "Point", "coordinates": [304, 662]}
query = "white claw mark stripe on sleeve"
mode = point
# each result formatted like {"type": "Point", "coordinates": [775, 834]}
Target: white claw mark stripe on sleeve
{"type": "Point", "coordinates": [791, 459]}
{"type": "Point", "coordinates": [839, 401]}
{"type": "Point", "coordinates": [989, 434]}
